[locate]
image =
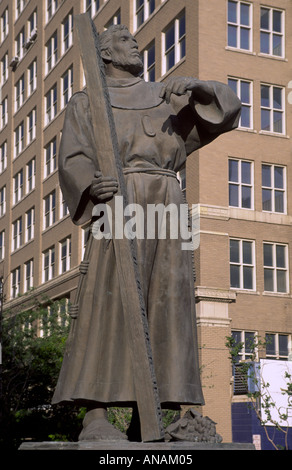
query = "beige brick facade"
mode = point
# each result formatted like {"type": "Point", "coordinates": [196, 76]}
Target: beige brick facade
{"type": "Point", "coordinates": [208, 55]}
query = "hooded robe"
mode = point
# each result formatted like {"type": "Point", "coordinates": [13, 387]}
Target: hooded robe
{"type": "Point", "coordinates": [154, 140]}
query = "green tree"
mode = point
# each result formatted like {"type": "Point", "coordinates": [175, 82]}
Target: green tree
{"type": "Point", "coordinates": [33, 344]}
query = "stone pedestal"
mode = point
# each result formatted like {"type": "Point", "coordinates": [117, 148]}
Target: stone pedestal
{"type": "Point", "coordinates": [128, 448]}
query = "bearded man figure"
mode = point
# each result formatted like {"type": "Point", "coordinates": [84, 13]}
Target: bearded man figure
{"type": "Point", "coordinates": [158, 125]}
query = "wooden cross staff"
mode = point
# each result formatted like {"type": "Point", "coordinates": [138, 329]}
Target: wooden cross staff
{"type": "Point", "coordinates": [109, 163]}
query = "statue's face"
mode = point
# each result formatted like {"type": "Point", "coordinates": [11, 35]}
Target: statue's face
{"type": "Point", "coordinates": [124, 52]}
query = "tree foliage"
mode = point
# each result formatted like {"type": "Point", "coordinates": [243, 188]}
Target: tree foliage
{"type": "Point", "coordinates": [33, 344]}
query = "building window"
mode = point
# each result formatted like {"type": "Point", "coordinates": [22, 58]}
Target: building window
{"type": "Point", "coordinates": [18, 139]}
{"type": "Point", "coordinates": [19, 43]}
{"type": "Point", "coordinates": [50, 209]}
{"type": "Point", "coordinates": [67, 32]}
{"type": "Point", "coordinates": [28, 273]}
{"type": "Point", "coordinates": [50, 157]}
{"type": "Point", "coordinates": [17, 234]}
{"type": "Point", "coordinates": [4, 69]}
{"type": "Point", "coordinates": [32, 24]}
{"type": "Point", "coordinates": [142, 10]}
{"type": "Point", "coordinates": [4, 25]}
{"type": "Point", "coordinates": [67, 86]}
{"type": "Point", "coordinates": [85, 236]}
{"type": "Point", "coordinates": [51, 8]}
{"type": "Point", "coordinates": [246, 343]}
{"type": "Point", "coordinates": [241, 185]}
{"type": "Point", "coordinates": [29, 224]}
{"type": "Point", "coordinates": [4, 112]}
{"type": "Point", "coordinates": [51, 104]}
{"type": "Point", "coordinates": [49, 264]}
{"type": "Point", "coordinates": [273, 188]}
{"type": "Point", "coordinates": [31, 126]}
{"type": "Point", "coordinates": [277, 346]}
{"type": "Point", "coordinates": [2, 244]}
{"type": "Point", "coordinates": [65, 255]}
{"type": "Point", "coordinates": [15, 282]}
{"type": "Point", "coordinates": [19, 6]}
{"type": "Point", "coordinates": [32, 77]}
{"type": "Point", "coordinates": [272, 32]}
{"type": "Point", "coordinates": [3, 157]}
{"type": "Point", "coordinates": [239, 25]}
{"type": "Point", "coordinates": [18, 187]}
{"type": "Point", "coordinates": [275, 267]}
{"type": "Point", "coordinates": [30, 175]}
{"type": "Point", "coordinates": [2, 201]}
{"type": "Point", "coordinates": [173, 43]}
{"type": "Point", "coordinates": [92, 7]}
{"type": "Point", "coordinates": [242, 264]}
{"type": "Point", "coordinates": [272, 109]}
{"type": "Point", "coordinates": [51, 52]}
{"type": "Point", "coordinates": [148, 57]}
{"type": "Point", "coordinates": [64, 210]}
{"type": "Point", "coordinates": [243, 89]}
{"type": "Point", "coordinates": [19, 93]}
{"type": "Point", "coordinates": [116, 19]}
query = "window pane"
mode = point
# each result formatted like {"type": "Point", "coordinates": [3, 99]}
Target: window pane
{"type": "Point", "coordinates": [264, 18]}
{"type": "Point", "coordinates": [277, 45]}
{"type": "Point", "coordinates": [268, 255]}
{"type": "Point", "coordinates": [266, 176]}
{"type": "Point", "coordinates": [279, 177]}
{"type": "Point", "coordinates": [232, 36]}
{"type": "Point", "coordinates": [267, 199]}
{"type": "Point", "coordinates": [234, 276]}
{"type": "Point", "coordinates": [233, 171]}
{"type": "Point", "coordinates": [283, 345]}
{"type": "Point", "coordinates": [278, 122]}
{"type": "Point", "coordinates": [169, 37]}
{"type": "Point", "coordinates": [170, 59]}
{"type": "Point", "coordinates": [247, 277]}
{"type": "Point", "coordinates": [182, 26]}
{"type": "Point", "coordinates": [245, 92]}
{"type": "Point", "coordinates": [279, 201]}
{"type": "Point", "coordinates": [233, 195]}
{"type": "Point", "coordinates": [265, 43]}
{"type": "Point", "coordinates": [234, 251]}
{"type": "Point", "coordinates": [233, 84]}
{"type": "Point", "coordinates": [249, 342]}
{"type": "Point", "coordinates": [277, 98]}
{"type": "Point", "coordinates": [247, 252]}
{"type": "Point", "coordinates": [182, 45]}
{"type": "Point", "coordinates": [281, 281]}
{"type": "Point", "coordinates": [280, 256]}
{"type": "Point", "coordinates": [268, 280]}
{"type": "Point", "coordinates": [232, 9]}
{"type": "Point", "coordinates": [246, 197]}
{"type": "Point", "coordinates": [244, 38]}
{"type": "Point", "coordinates": [246, 172]}
{"type": "Point", "coordinates": [277, 21]}
{"type": "Point", "coordinates": [245, 116]}
{"type": "Point", "coordinates": [265, 120]}
{"type": "Point", "coordinates": [244, 14]}
{"type": "Point", "coordinates": [265, 96]}
{"type": "Point", "coordinates": [270, 344]}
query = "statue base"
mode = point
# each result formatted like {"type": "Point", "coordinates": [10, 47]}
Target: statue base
{"type": "Point", "coordinates": [141, 447]}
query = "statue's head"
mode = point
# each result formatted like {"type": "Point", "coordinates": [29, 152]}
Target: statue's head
{"type": "Point", "coordinates": [120, 48]}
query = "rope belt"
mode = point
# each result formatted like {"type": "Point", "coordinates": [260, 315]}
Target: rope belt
{"type": "Point", "coordinates": [154, 171]}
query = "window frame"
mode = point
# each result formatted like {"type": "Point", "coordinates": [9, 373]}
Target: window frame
{"type": "Point", "coordinates": [49, 210]}
{"type": "Point", "coordinates": [15, 282]}
{"type": "Point", "coordinates": [240, 26]}
{"type": "Point", "coordinates": [241, 184]}
{"type": "Point", "coordinates": [242, 265]}
{"type": "Point", "coordinates": [249, 105]}
{"type": "Point", "coordinates": [48, 271]}
{"type": "Point", "coordinates": [29, 227]}
{"type": "Point", "coordinates": [65, 258]}
{"type": "Point", "coordinates": [176, 45]}
{"type": "Point", "coordinates": [272, 110]}
{"type": "Point", "coordinates": [274, 268]}
{"type": "Point", "coordinates": [271, 32]}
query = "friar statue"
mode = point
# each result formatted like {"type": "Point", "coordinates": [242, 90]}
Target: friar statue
{"type": "Point", "coordinates": [158, 125]}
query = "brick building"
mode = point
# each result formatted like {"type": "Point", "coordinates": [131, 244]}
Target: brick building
{"type": "Point", "coordinates": [240, 182]}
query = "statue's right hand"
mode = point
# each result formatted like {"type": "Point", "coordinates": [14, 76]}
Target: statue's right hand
{"type": "Point", "coordinates": [102, 187]}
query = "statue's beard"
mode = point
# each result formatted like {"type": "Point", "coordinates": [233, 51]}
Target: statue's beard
{"type": "Point", "coordinates": [134, 66]}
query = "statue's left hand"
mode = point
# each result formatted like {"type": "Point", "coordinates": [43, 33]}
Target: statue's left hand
{"type": "Point", "coordinates": [201, 90]}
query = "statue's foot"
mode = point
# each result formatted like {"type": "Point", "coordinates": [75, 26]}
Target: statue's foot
{"type": "Point", "coordinates": [97, 428]}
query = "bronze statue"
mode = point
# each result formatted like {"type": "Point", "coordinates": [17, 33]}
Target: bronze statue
{"type": "Point", "coordinates": [158, 125]}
